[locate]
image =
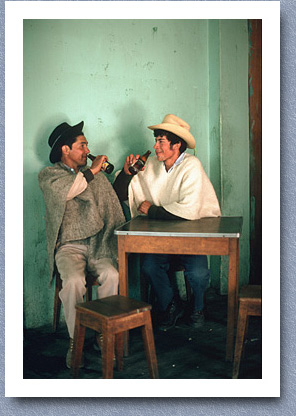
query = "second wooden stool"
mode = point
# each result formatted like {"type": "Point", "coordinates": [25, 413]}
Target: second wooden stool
{"type": "Point", "coordinates": [112, 316]}
{"type": "Point", "coordinates": [250, 303]}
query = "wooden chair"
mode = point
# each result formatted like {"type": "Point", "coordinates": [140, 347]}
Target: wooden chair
{"type": "Point", "coordinates": [250, 304]}
{"type": "Point", "coordinates": [90, 282]}
{"type": "Point", "coordinates": [112, 316]}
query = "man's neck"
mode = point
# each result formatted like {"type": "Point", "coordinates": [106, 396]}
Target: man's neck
{"type": "Point", "coordinates": [170, 162]}
{"type": "Point", "coordinates": [68, 163]}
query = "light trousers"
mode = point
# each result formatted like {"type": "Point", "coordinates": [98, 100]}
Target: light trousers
{"type": "Point", "coordinates": [72, 261]}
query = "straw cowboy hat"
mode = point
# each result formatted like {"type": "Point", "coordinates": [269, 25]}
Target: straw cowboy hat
{"type": "Point", "coordinates": [177, 126]}
{"type": "Point", "coordinates": [60, 135]}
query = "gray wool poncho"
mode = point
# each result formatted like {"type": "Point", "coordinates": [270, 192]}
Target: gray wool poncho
{"type": "Point", "coordinates": [94, 213]}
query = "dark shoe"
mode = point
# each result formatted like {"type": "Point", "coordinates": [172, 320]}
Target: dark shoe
{"type": "Point", "coordinates": [70, 353]}
{"type": "Point", "coordinates": [173, 313]}
{"type": "Point", "coordinates": [197, 319]}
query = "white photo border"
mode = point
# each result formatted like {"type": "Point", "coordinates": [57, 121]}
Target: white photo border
{"type": "Point", "coordinates": [269, 12]}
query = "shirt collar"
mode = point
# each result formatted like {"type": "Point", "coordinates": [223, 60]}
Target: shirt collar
{"type": "Point", "coordinates": [68, 168]}
{"type": "Point", "coordinates": [178, 161]}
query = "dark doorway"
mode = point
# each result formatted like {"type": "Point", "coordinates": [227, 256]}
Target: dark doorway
{"type": "Point", "coordinates": [255, 105]}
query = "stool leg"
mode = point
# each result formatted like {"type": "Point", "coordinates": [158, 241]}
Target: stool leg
{"type": "Point", "coordinates": [88, 295]}
{"type": "Point", "coordinates": [57, 303]}
{"type": "Point", "coordinates": [126, 343]}
{"type": "Point", "coordinates": [240, 336]}
{"type": "Point", "coordinates": [245, 338]}
{"type": "Point", "coordinates": [119, 350]}
{"type": "Point", "coordinates": [108, 354]}
{"type": "Point", "coordinates": [56, 310]}
{"type": "Point", "coordinates": [79, 335]}
{"type": "Point", "coordinates": [148, 339]}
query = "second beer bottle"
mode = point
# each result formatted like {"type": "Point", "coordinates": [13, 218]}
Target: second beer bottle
{"type": "Point", "coordinates": [139, 164]}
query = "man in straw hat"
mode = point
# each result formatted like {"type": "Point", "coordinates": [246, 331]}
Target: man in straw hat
{"type": "Point", "coordinates": [172, 186]}
{"type": "Point", "coordinates": [82, 211]}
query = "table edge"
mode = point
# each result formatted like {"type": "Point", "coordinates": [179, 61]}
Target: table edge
{"type": "Point", "coordinates": [168, 234]}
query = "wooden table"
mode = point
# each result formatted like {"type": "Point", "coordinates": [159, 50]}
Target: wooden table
{"type": "Point", "coordinates": [208, 236]}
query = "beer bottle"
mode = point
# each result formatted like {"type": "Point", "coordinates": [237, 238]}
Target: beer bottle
{"type": "Point", "coordinates": [139, 164]}
{"type": "Point", "coordinates": [106, 166]}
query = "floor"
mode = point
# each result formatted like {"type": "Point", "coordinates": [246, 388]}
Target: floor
{"type": "Point", "coordinates": [182, 353]}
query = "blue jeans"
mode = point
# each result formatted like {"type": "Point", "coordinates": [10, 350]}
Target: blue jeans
{"type": "Point", "coordinates": [155, 269]}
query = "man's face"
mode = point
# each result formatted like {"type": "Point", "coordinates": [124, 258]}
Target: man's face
{"type": "Point", "coordinates": [77, 156]}
{"type": "Point", "coordinates": [164, 151]}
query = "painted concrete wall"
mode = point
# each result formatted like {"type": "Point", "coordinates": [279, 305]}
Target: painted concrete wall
{"type": "Point", "coordinates": [119, 77]}
{"type": "Point", "coordinates": [229, 133]}
{"type": "Point", "coordinates": [234, 136]}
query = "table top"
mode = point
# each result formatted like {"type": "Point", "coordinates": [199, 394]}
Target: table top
{"type": "Point", "coordinates": [229, 227]}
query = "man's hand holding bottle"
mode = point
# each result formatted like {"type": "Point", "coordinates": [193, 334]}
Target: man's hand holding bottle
{"type": "Point", "coordinates": [100, 162]}
{"type": "Point", "coordinates": [129, 161]}
{"type": "Point", "coordinates": [135, 164]}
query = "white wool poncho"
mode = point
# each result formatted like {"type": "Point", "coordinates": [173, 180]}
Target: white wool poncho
{"type": "Point", "coordinates": [185, 191]}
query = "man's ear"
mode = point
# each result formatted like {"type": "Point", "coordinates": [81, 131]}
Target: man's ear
{"type": "Point", "coordinates": [65, 149]}
{"type": "Point", "coordinates": [177, 145]}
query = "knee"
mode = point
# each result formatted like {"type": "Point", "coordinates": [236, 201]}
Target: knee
{"type": "Point", "coordinates": [74, 281]}
{"type": "Point", "coordinates": [197, 265]}
{"type": "Point", "coordinates": [113, 276]}
{"type": "Point", "coordinates": [110, 275]}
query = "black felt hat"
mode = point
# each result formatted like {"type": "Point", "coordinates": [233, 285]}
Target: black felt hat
{"type": "Point", "coordinates": [60, 135]}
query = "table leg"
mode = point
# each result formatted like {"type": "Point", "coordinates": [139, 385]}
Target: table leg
{"type": "Point", "coordinates": [232, 295]}
{"type": "Point", "coordinates": [122, 267]}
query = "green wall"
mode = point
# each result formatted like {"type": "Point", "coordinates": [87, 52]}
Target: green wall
{"type": "Point", "coordinates": [120, 76]}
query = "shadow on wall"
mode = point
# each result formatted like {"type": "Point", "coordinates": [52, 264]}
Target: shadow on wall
{"type": "Point", "coordinates": [131, 131]}
{"type": "Point", "coordinates": [42, 148]}
{"type": "Point", "coordinates": [128, 135]}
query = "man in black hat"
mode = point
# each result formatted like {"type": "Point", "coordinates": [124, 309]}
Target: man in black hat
{"type": "Point", "coordinates": [82, 211]}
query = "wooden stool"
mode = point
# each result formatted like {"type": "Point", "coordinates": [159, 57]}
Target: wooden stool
{"type": "Point", "coordinates": [112, 316]}
{"type": "Point", "coordinates": [90, 282]}
{"type": "Point", "coordinates": [250, 303]}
